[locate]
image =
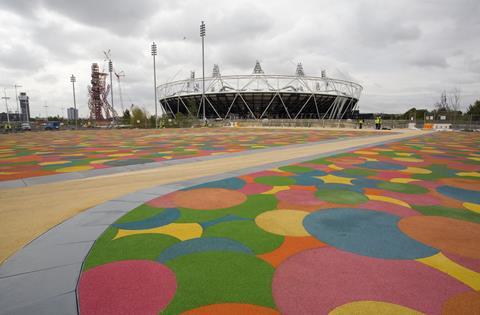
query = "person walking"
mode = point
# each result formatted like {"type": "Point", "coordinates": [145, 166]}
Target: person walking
{"type": "Point", "coordinates": [377, 122]}
{"type": "Point", "coordinates": [360, 123]}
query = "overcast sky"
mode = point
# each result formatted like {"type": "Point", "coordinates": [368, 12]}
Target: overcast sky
{"type": "Point", "coordinates": [404, 53]}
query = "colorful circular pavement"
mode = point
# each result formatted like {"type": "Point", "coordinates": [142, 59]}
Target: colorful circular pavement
{"type": "Point", "coordinates": [392, 229]}
{"type": "Point", "coordinates": [48, 153]}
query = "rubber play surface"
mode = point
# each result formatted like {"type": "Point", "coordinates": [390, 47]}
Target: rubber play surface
{"type": "Point", "coordinates": [390, 229]}
{"type": "Point", "coordinates": [48, 153]}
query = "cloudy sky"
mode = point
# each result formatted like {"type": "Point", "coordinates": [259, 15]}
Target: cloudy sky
{"type": "Point", "coordinates": [404, 52]}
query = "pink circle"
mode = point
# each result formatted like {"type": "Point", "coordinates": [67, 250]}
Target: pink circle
{"type": "Point", "coordinates": [414, 199]}
{"type": "Point", "coordinates": [268, 173]}
{"type": "Point", "coordinates": [299, 197]}
{"type": "Point", "coordinates": [126, 287]}
{"type": "Point", "coordinates": [388, 208]}
{"type": "Point", "coordinates": [254, 188]}
{"type": "Point", "coordinates": [318, 280]}
{"type": "Point", "coordinates": [165, 201]}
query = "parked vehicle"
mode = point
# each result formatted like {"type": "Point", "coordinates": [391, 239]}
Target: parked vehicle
{"type": "Point", "coordinates": [26, 126]}
{"type": "Point", "coordinates": [52, 125]}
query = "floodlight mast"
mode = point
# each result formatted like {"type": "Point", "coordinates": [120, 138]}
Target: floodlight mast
{"type": "Point", "coordinates": [154, 53]}
{"type": "Point", "coordinates": [6, 104]}
{"type": "Point", "coordinates": [110, 69]}
{"type": "Point", "coordinates": [73, 79]}
{"type": "Point", "coordinates": [16, 98]}
{"type": "Point", "coordinates": [202, 34]}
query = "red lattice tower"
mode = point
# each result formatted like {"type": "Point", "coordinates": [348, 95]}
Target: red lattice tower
{"type": "Point", "coordinates": [100, 108]}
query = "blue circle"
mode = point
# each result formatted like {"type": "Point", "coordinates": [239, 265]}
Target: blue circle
{"type": "Point", "coordinates": [382, 166]}
{"type": "Point", "coordinates": [460, 194]}
{"type": "Point", "coordinates": [233, 183]}
{"type": "Point", "coordinates": [365, 232]}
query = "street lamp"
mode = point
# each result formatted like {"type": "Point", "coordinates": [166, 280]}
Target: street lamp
{"type": "Point", "coordinates": [72, 79]}
{"type": "Point", "coordinates": [202, 34]}
{"type": "Point", "coordinates": [110, 69]}
{"type": "Point", "coordinates": [154, 53]}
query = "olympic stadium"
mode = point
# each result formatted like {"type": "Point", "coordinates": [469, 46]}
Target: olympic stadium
{"type": "Point", "coordinates": [260, 96]}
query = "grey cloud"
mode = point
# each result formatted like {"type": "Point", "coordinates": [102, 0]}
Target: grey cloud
{"type": "Point", "coordinates": [21, 57]}
{"type": "Point", "coordinates": [472, 63]}
{"type": "Point", "coordinates": [379, 25]}
{"type": "Point", "coordinates": [234, 23]}
{"type": "Point", "coordinates": [429, 61]}
{"type": "Point", "coordinates": [119, 16]}
{"type": "Point", "coordinates": [123, 17]}
{"type": "Point", "coordinates": [392, 48]}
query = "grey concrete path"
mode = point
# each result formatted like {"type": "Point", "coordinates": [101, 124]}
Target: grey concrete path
{"type": "Point", "coordinates": [42, 277]}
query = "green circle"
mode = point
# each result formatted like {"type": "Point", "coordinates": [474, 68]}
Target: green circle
{"type": "Point", "coordinates": [346, 197]}
{"type": "Point", "coordinates": [403, 188]}
{"type": "Point", "coordinates": [205, 278]}
{"type": "Point", "coordinates": [275, 180]}
{"type": "Point", "coordinates": [296, 169]}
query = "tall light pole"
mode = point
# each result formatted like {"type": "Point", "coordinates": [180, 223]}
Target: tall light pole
{"type": "Point", "coordinates": [6, 104]}
{"type": "Point", "coordinates": [154, 53]}
{"type": "Point", "coordinates": [46, 111]}
{"type": "Point", "coordinates": [202, 34]}
{"type": "Point", "coordinates": [16, 98]}
{"type": "Point", "coordinates": [73, 79]}
{"type": "Point", "coordinates": [110, 68]}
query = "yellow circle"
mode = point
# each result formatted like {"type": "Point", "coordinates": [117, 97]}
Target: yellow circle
{"type": "Point", "coordinates": [475, 207]}
{"type": "Point", "coordinates": [74, 169]}
{"type": "Point", "coordinates": [366, 152]}
{"type": "Point", "coordinates": [416, 170]}
{"type": "Point", "coordinates": [373, 307]}
{"type": "Point", "coordinates": [409, 159]}
{"type": "Point", "coordinates": [283, 222]}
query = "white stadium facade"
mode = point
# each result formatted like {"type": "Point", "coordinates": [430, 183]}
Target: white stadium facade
{"type": "Point", "coordinates": [260, 96]}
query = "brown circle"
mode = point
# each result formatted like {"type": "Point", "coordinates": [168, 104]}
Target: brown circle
{"type": "Point", "coordinates": [208, 198]}
{"type": "Point", "coordinates": [467, 303]}
{"type": "Point", "coordinates": [450, 235]}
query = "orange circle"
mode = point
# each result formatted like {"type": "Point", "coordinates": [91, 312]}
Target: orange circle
{"type": "Point", "coordinates": [464, 183]}
{"type": "Point", "coordinates": [450, 235]}
{"type": "Point", "coordinates": [208, 198]}
{"type": "Point", "coordinates": [463, 303]}
{"type": "Point", "coordinates": [232, 309]}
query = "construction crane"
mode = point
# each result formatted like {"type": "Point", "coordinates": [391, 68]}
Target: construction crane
{"type": "Point", "coordinates": [118, 75]}
{"type": "Point", "coordinates": [108, 57]}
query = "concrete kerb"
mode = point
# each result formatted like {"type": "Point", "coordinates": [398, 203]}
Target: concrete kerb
{"type": "Point", "coordinates": [75, 237]}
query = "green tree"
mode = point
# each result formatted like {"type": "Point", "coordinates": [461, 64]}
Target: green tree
{"type": "Point", "coordinates": [138, 117]}
{"type": "Point", "coordinates": [126, 117]}
{"type": "Point", "coordinates": [474, 110]}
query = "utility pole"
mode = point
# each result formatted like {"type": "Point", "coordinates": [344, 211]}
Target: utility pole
{"type": "Point", "coordinates": [73, 79]}
{"type": "Point", "coordinates": [16, 98]}
{"type": "Point", "coordinates": [202, 34]}
{"type": "Point", "coordinates": [6, 104]}
{"type": "Point", "coordinates": [154, 53]}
